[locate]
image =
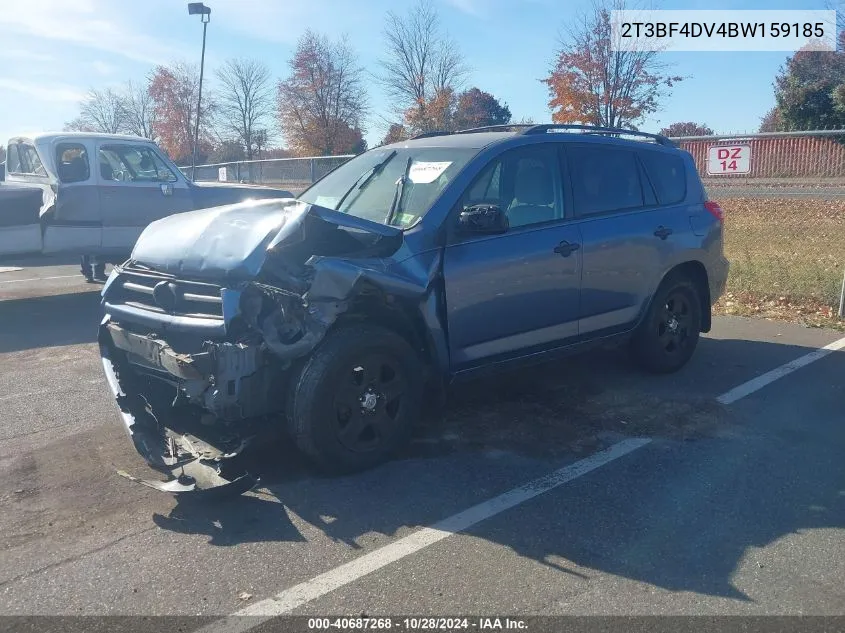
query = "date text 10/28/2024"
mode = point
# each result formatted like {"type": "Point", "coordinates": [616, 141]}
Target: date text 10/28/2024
{"type": "Point", "coordinates": [417, 624]}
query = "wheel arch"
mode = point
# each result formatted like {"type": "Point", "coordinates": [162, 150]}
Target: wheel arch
{"type": "Point", "coordinates": [696, 272]}
{"type": "Point", "coordinates": [400, 315]}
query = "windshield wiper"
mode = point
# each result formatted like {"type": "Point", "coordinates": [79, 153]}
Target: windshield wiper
{"type": "Point", "coordinates": [365, 178]}
{"type": "Point", "coordinates": [400, 189]}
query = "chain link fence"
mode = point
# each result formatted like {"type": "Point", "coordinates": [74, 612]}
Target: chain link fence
{"type": "Point", "coordinates": [293, 174]}
{"type": "Point", "coordinates": [784, 222]}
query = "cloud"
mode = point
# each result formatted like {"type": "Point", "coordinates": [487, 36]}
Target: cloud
{"type": "Point", "coordinates": [102, 68]}
{"type": "Point", "coordinates": [23, 54]}
{"type": "Point", "coordinates": [95, 24]}
{"type": "Point", "coordinates": [44, 91]}
{"type": "Point", "coordinates": [475, 8]}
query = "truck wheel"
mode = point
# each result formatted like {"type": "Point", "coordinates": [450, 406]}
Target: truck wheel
{"type": "Point", "coordinates": [667, 337]}
{"type": "Point", "coordinates": [355, 399]}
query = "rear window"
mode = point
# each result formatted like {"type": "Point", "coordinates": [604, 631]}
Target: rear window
{"type": "Point", "coordinates": [604, 179]}
{"type": "Point", "coordinates": [668, 175]}
{"type": "Point", "coordinates": [23, 159]}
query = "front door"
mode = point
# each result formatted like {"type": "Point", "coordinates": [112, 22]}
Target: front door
{"type": "Point", "coordinates": [516, 292]}
{"type": "Point", "coordinates": [137, 187]}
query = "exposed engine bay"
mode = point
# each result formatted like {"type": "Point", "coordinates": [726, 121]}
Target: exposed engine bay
{"type": "Point", "coordinates": [199, 339]}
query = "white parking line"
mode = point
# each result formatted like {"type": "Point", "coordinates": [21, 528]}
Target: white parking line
{"type": "Point", "coordinates": [747, 388]}
{"type": "Point", "coordinates": [19, 281]}
{"type": "Point", "coordinates": [290, 599]}
{"type": "Point", "coordinates": [9, 269]}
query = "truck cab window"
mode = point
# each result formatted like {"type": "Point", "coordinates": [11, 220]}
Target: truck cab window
{"type": "Point", "coordinates": [72, 162]}
{"type": "Point", "coordinates": [133, 163]}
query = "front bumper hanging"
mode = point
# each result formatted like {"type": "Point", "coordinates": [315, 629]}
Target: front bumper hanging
{"type": "Point", "coordinates": [193, 466]}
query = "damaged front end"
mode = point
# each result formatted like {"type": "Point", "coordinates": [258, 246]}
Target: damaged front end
{"type": "Point", "coordinates": [205, 321]}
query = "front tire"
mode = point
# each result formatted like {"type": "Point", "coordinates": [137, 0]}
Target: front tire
{"type": "Point", "coordinates": [668, 336]}
{"type": "Point", "coordinates": [355, 399]}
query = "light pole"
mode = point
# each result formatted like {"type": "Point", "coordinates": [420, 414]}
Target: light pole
{"type": "Point", "coordinates": [198, 8]}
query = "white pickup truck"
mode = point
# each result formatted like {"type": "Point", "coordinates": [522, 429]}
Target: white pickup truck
{"type": "Point", "coordinates": [93, 195]}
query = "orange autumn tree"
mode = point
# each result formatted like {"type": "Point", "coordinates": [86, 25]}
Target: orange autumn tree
{"type": "Point", "coordinates": [593, 84]}
{"type": "Point", "coordinates": [322, 104]}
{"type": "Point", "coordinates": [174, 90]}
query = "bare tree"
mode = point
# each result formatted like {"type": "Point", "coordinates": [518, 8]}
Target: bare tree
{"type": "Point", "coordinates": [101, 111]}
{"type": "Point", "coordinates": [602, 81]}
{"type": "Point", "coordinates": [839, 7]}
{"type": "Point", "coordinates": [245, 100]}
{"type": "Point", "coordinates": [421, 62]}
{"type": "Point", "coordinates": [139, 111]}
{"type": "Point", "coordinates": [322, 103]}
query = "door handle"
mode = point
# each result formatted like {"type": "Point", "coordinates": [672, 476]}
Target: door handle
{"type": "Point", "coordinates": [662, 232]}
{"type": "Point", "coordinates": [565, 249]}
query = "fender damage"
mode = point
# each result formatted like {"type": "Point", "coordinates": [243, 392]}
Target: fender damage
{"type": "Point", "coordinates": [195, 393]}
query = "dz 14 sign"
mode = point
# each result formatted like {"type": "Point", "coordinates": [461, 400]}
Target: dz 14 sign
{"type": "Point", "coordinates": [729, 159]}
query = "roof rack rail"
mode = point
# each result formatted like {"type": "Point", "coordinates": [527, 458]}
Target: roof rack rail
{"type": "Point", "coordinates": [429, 134]}
{"type": "Point", "coordinates": [496, 128]}
{"type": "Point", "coordinates": [593, 129]}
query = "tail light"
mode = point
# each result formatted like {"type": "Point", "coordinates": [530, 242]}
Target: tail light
{"type": "Point", "coordinates": [715, 210]}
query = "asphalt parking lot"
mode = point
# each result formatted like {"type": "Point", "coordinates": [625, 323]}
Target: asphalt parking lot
{"type": "Point", "coordinates": [696, 493]}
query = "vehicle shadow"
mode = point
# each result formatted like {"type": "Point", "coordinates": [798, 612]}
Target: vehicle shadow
{"type": "Point", "coordinates": [681, 514]}
{"type": "Point", "coordinates": [39, 261]}
{"type": "Point", "coordinates": [44, 261]}
{"type": "Point", "coordinates": [48, 321]}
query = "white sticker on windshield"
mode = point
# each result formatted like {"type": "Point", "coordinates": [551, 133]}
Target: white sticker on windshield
{"type": "Point", "coordinates": [326, 201]}
{"type": "Point", "coordinates": [424, 172]}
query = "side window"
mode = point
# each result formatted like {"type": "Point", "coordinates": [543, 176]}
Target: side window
{"type": "Point", "coordinates": [24, 159]}
{"type": "Point", "coordinates": [72, 162]}
{"type": "Point", "coordinates": [604, 179]}
{"type": "Point", "coordinates": [13, 161]}
{"type": "Point", "coordinates": [523, 182]}
{"type": "Point", "coordinates": [133, 163]}
{"type": "Point", "coordinates": [486, 187]}
{"type": "Point", "coordinates": [667, 174]}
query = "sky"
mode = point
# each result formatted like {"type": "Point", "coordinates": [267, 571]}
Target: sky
{"type": "Point", "coordinates": [53, 51]}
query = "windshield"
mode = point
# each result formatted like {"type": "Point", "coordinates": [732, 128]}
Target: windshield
{"type": "Point", "coordinates": [405, 181]}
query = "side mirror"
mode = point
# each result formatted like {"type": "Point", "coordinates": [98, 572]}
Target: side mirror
{"type": "Point", "coordinates": [166, 189]}
{"type": "Point", "coordinates": [487, 219]}
{"type": "Point", "coordinates": [2, 172]}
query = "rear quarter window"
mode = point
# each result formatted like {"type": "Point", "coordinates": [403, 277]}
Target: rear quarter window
{"type": "Point", "coordinates": [604, 180]}
{"type": "Point", "coordinates": [667, 173]}
{"type": "Point", "coordinates": [24, 159]}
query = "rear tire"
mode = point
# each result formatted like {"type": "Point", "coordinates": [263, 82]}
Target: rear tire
{"type": "Point", "coordinates": [667, 337]}
{"type": "Point", "coordinates": [356, 399]}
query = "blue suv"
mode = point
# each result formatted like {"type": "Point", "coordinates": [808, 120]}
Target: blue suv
{"type": "Point", "coordinates": [325, 318]}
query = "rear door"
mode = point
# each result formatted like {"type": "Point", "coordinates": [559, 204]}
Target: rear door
{"type": "Point", "coordinates": [136, 187]}
{"type": "Point", "coordinates": [515, 293]}
{"type": "Point", "coordinates": [21, 200]}
{"type": "Point", "coordinates": [627, 236]}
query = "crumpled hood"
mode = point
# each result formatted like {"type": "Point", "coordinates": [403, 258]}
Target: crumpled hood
{"type": "Point", "coordinates": [230, 243]}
